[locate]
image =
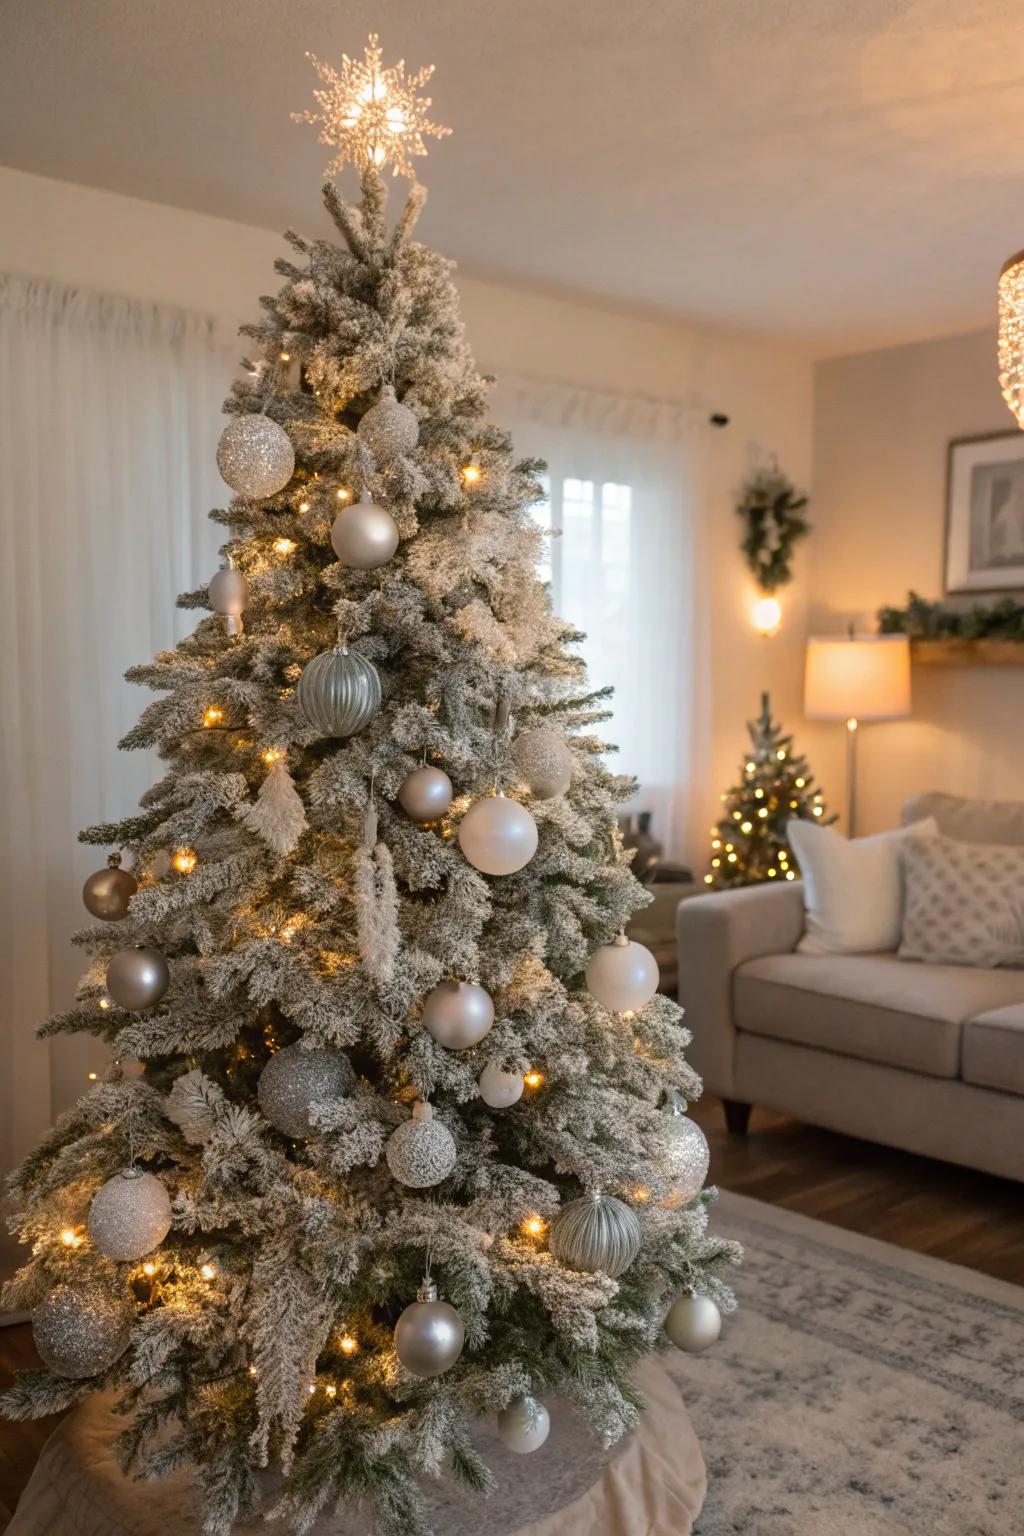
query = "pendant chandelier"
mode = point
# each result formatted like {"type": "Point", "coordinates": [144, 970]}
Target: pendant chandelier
{"type": "Point", "coordinates": [1011, 335]}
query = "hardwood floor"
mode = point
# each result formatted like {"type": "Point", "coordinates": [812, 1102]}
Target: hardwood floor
{"type": "Point", "coordinates": [952, 1213]}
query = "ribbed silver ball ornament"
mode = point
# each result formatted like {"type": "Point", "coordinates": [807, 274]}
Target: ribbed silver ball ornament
{"type": "Point", "coordinates": [458, 1014]}
{"type": "Point", "coordinates": [684, 1155]}
{"type": "Point", "coordinates": [80, 1331]}
{"type": "Point", "coordinates": [138, 978]}
{"type": "Point", "coordinates": [421, 1152]}
{"type": "Point", "coordinates": [693, 1323]}
{"type": "Point", "coordinates": [623, 975]}
{"type": "Point", "coordinates": [500, 1089]}
{"type": "Point", "coordinates": [106, 893]}
{"type": "Point", "coordinates": [544, 761]}
{"type": "Point", "coordinates": [294, 1079]}
{"type": "Point", "coordinates": [339, 692]}
{"type": "Point", "coordinates": [426, 793]}
{"type": "Point", "coordinates": [498, 835]}
{"type": "Point", "coordinates": [255, 456]}
{"type": "Point", "coordinates": [429, 1335]}
{"type": "Point", "coordinates": [388, 428]}
{"type": "Point", "coordinates": [130, 1215]}
{"type": "Point", "coordinates": [596, 1233]}
{"type": "Point", "coordinates": [364, 535]}
{"type": "Point", "coordinates": [524, 1425]}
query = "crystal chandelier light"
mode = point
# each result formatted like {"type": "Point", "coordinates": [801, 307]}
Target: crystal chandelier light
{"type": "Point", "coordinates": [1011, 335]}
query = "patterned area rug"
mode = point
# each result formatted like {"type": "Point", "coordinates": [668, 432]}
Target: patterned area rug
{"type": "Point", "coordinates": [861, 1391]}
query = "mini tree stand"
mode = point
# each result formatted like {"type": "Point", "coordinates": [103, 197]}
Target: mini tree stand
{"type": "Point", "coordinates": [651, 1484]}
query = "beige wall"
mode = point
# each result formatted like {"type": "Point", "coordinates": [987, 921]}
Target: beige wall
{"type": "Point", "coordinates": [882, 423]}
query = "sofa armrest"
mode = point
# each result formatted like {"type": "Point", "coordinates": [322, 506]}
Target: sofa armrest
{"type": "Point", "coordinates": [715, 934]}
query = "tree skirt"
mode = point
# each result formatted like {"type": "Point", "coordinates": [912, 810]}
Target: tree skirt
{"type": "Point", "coordinates": [652, 1484]}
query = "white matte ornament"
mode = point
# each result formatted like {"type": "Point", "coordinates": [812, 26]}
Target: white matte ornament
{"type": "Point", "coordinates": [130, 1215]}
{"type": "Point", "coordinates": [255, 456]}
{"type": "Point", "coordinates": [693, 1323]}
{"type": "Point", "coordinates": [339, 692]}
{"type": "Point", "coordinates": [429, 1335]}
{"type": "Point", "coordinates": [544, 761]}
{"type": "Point", "coordinates": [364, 535]}
{"type": "Point", "coordinates": [80, 1331]}
{"type": "Point", "coordinates": [524, 1425]}
{"type": "Point", "coordinates": [421, 1152]}
{"type": "Point", "coordinates": [228, 591]}
{"type": "Point", "coordinates": [106, 893]}
{"type": "Point", "coordinates": [498, 836]}
{"type": "Point", "coordinates": [623, 975]}
{"type": "Point", "coordinates": [137, 978]}
{"type": "Point", "coordinates": [426, 793]}
{"type": "Point", "coordinates": [500, 1089]}
{"type": "Point", "coordinates": [294, 1079]}
{"type": "Point", "coordinates": [388, 428]}
{"type": "Point", "coordinates": [458, 1014]}
{"type": "Point", "coordinates": [596, 1233]}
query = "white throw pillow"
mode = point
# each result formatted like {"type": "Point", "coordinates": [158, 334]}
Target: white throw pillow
{"type": "Point", "coordinates": [853, 888]}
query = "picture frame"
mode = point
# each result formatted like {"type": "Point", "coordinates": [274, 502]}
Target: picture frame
{"type": "Point", "coordinates": [985, 514]}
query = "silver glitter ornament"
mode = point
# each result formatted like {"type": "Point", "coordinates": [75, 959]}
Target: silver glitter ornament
{"type": "Point", "coordinates": [80, 1332]}
{"type": "Point", "coordinates": [524, 1425]}
{"type": "Point", "coordinates": [458, 1014]}
{"type": "Point", "coordinates": [421, 1152]}
{"type": "Point", "coordinates": [364, 535]}
{"type": "Point", "coordinates": [544, 761]}
{"type": "Point", "coordinates": [339, 692]}
{"type": "Point", "coordinates": [500, 1089]}
{"type": "Point", "coordinates": [388, 428]}
{"type": "Point", "coordinates": [138, 978]}
{"type": "Point", "coordinates": [294, 1079]}
{"type": "Point", "coordinates": [685, 1155]}
{"type": "Point", "coordinates": [130, 1215]}
{"type": "Point", "coordinates": [107, 893]}
{"type": "Point", "coordinates": [429, 1335]}
{"type": "Point", "coordinates": [426, 793]}
{"type": "Point", "coordinates": [498, 836]}
{"type": "Point", "coordinates": [623, 975]}
{"type": "Point", "coordinates": [596, 1233]}
{"type": "Point", "coordinates": [255, 456]}
{"type": "Point", "coordinates": [693, 1322]}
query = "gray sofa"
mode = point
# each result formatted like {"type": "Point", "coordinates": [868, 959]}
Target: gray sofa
{"type": "Point", "coordinates": [929, 1058]}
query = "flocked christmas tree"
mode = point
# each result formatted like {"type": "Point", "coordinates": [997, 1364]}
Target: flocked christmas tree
{"type": "Point", "coordinates": [407, 1146]}
{"type": "Point", "coordinates": [749, 842]}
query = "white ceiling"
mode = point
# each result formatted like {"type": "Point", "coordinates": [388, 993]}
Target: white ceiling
{"type": "Point", "coordinates": [845, 173]}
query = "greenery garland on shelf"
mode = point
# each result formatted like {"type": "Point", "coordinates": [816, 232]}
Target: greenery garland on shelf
{"type": "Point", "coordinates": [772, 511]}
{"type": "Point", "coordinates": [923, 620]}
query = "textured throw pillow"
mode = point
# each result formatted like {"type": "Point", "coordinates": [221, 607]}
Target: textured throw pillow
{"type": "Point", "coordinates": [853, 887]}
{"type": "Point", "coordinates": [964, 902]}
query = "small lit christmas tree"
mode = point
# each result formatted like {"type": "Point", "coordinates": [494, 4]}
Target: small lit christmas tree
{"type": "Point", "coordinates": [748, 842]}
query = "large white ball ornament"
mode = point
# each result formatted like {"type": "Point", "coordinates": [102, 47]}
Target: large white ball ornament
{"type": "Point", "coordinates": [524, 1425]}
{"type": "Point", "coordinates": [429, 1335]}
{"type": "Point", "coordinates": [80, 1331]}
{"type": "Point", "coordinates": [364, 535]}
{"type": "Point", "coordinates": [138, 978]}
{"type": "Point", "coordinates": [693, 1322]}
{"type": "Point", "coordinates": [389, 428]}
{"type": "Point", "coordinates": [544, 761]}
{"type": "Point", "coordinates": [596, 1233]}
{"type": "Point", "coordinates": [228, 591]}
{"type": "Point", "coordinates": [130, 1215]}
{"type": "Point", "coordinates": [500, 1089]}
{"type": "Point", "coordinates": [498, 836]}
{"type": "Point", "coordinates": [255, 456]}
{"type": "Point", "coordinates": [294, 1079]}
{"type": "Point", "coordinates": [106, 893]}
{"type": "Point", "coordinates": [685, 1154]}
{"type": "Point", "coordinates": [421, 1152]}
{"type": "Point", "coordinates": [426, 793]}
{"type": "Point", "coordinates": [458, 1014]}
{"type": "Point", "coordinates": [623, 975]}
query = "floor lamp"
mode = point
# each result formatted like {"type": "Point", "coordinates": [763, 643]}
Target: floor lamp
{"type": "Point", "coordinates": [856, 678]}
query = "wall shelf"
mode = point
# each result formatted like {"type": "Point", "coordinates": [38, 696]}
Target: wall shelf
{"type": "Point", "coordinates": [954, 651]}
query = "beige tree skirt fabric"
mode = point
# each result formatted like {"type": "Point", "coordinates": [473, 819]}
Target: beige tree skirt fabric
{"type": "Point", "coordinates": [652, 1484]}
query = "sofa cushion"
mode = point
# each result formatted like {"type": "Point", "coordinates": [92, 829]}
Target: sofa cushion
{"type": "Point", "coordinates": [963, 902]}
{"type": "Point", "coordinates": [875, 1007]}
{"type": "Point", "coordinates": [969, 821]}
{"type": "Point", "coordinates": [993, 1049]}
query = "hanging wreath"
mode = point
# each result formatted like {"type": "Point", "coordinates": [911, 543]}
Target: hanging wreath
{"type": "Point", "coordinates": [772, 511]}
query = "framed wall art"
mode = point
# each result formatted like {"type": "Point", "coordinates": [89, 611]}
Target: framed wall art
{"type": "Point", "coordinates": [985, 514]}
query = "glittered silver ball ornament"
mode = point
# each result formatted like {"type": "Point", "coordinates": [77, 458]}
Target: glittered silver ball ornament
{"type": "Point", "coordinates": [429, 1335]}
{"type": "Point", "coordinates": [693, 1322]}
{"type": "Point", "coordinates": [684, 1155]}
{"type": "Point", "coordinates": [458, 1014]}
{"type": "Point", "coordinates": [500, 1089]}
{"type": "Point", "coordinates": [426, 793]}
{"type": "Point", "coordinates": [388, 428]}
{"type": "Point", "coordinates": [339, 692]}
{"type": "Point", "coordinates": [596, 1233]}
{"type": "Point", "coordinates": [524, 1425]}
{"type": "Point", "coordinates": [294, 1079]}
{"type": "Point", "coordinates": [623, 975]}
{"type": "Point", "coordinates": [130, 1215]}
{"type": "Point", "coordinates": [138, 978]}
{"type": "Point", "coordinates": [80, 1331]}
{"type": "Point", "coordinates": [422, 1151]}
{"type": "Point", "coordinates": [498, 836]}
{"type": "Point", "coordinates": [544, 761]}
{"type": "Point", "coordinates": [364, 535]}
{"type": "Point", "coordinates": [255, 456]}
{"type": "Point", "coordinates": [107, 893]}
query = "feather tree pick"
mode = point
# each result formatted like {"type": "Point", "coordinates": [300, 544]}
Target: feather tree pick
{"type": "Point", "coordinates": [277, 815]}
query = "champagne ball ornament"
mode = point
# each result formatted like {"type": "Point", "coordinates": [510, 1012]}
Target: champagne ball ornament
{"type": "Point", "coordinates": [228, 593]}
{"type": "Point", "coordinates": [623, 975]}
{"type": "Point", "coordinates": [339, 692]}
{"type": "Point", "coordinates": [422, 1151]}
{"type": "Point", "coordinates": [426, 793]}
{"type": "Point", "coordinates": [544, 761]}
{"type": "Point", "coordinates": [524, 1425]}
{"type": "Point", "coordinates": [388, 428]}
{"type": "Point", "coordinates": [596, 1233]}
{"type": "Point", "coordinates": [294, 1079]}
{"type": "Point", "coordinates": [685, 1155]}
{"type": "Point", "coordinates": [429, 1335]}
{"type": "Point", "coordinates": [693, 1323]}
{"type": "Point", "coordinates": [138, 978]}
{"type": "Point", "coordinates": [458, 1014]}
{"type": "Point", "coordinates": [255, 456]}
{"type": "Point", "coordinates": [498, 836]}
{"type": "Point", "coordinates": [130, 1215]}
{"type": "Point", "coordinates": [500, 1089]}
{"type": "Point", "coordinates": [364, 535]}
{"type": "Point", "coordinates": [80, 1331]}
{"type": "Point", "coordinates": [106, 894]}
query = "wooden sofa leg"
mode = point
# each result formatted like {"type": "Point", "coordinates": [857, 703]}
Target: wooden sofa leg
{"type": "Point", "coordinates": [737, 1117]}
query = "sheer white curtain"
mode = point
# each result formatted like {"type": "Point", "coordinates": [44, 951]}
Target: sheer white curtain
{"type": "Point", "coordinates": [109, 416]}
{"type": "Point", "coordinates": [625, 492]}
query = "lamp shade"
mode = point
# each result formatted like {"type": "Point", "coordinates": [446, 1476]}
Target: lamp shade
{"type": "Point", "coordinates": [860, 677]}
